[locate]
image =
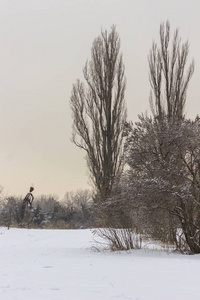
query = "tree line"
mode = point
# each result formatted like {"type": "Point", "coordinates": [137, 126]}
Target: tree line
{"type": "Point", "coordinates": [74, 211]}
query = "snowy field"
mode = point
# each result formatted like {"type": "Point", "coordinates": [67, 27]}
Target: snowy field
{"type": "Point", "coordinates": [61, 265]}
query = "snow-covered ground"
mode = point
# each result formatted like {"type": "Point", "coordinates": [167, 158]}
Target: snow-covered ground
{"type": "Point", "coordinates": [60, 265]}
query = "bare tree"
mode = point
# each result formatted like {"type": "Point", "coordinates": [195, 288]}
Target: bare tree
{"type": "Point", "coordinates": [99, 111]}
{"type": "Point", "coordinates": [168, 75]}
{"type": "Point", "coordinates": [78, 199]}
{"type": "Point", "coordinates": [165, 187]}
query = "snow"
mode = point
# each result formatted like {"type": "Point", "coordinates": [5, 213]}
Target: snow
{"type": "Point", "coordinates": [61, 265]}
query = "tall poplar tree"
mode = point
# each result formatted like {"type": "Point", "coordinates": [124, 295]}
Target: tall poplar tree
{"type": "Point", "coordinates": [99, 113]}
{"type": "Point", "coordinates": [169, 75]}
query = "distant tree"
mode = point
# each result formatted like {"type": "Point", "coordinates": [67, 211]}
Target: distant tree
{"type": "Point", "coordinates": [99, 111]}
{"type": "Point", "coordinates": [168, 75]}
{"type": "Point", "coordinates": [37, 216]}
{"type": "Point", "coordinates": [50, 209]}
{"type": "Point", "coordinates": [8, 211]}
{"type": "Point", "coordinates": [78, 199]}
{"type": "Point", "coordinates": [79, 205]}
{"type": "Point", "coordinates": [47, 202]}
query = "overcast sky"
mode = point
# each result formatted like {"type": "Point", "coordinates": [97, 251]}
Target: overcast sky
{"type": "Point", "coordinates": [44, 46]}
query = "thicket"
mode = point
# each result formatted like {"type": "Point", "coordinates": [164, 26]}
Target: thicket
{"type": "Point", "coordinates": [74, 211]}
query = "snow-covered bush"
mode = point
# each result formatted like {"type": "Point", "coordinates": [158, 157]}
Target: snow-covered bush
{"type": "Point", "coordinates": [163, 178]}
{"type": "Point", "coordinates": [118, 239]}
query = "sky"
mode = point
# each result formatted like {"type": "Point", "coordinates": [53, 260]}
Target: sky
{"type": "Point", "coordinates": [44, 46]}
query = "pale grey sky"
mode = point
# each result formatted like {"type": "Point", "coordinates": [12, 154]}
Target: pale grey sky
{"type": "Point", "coordinates": [44, 45]}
